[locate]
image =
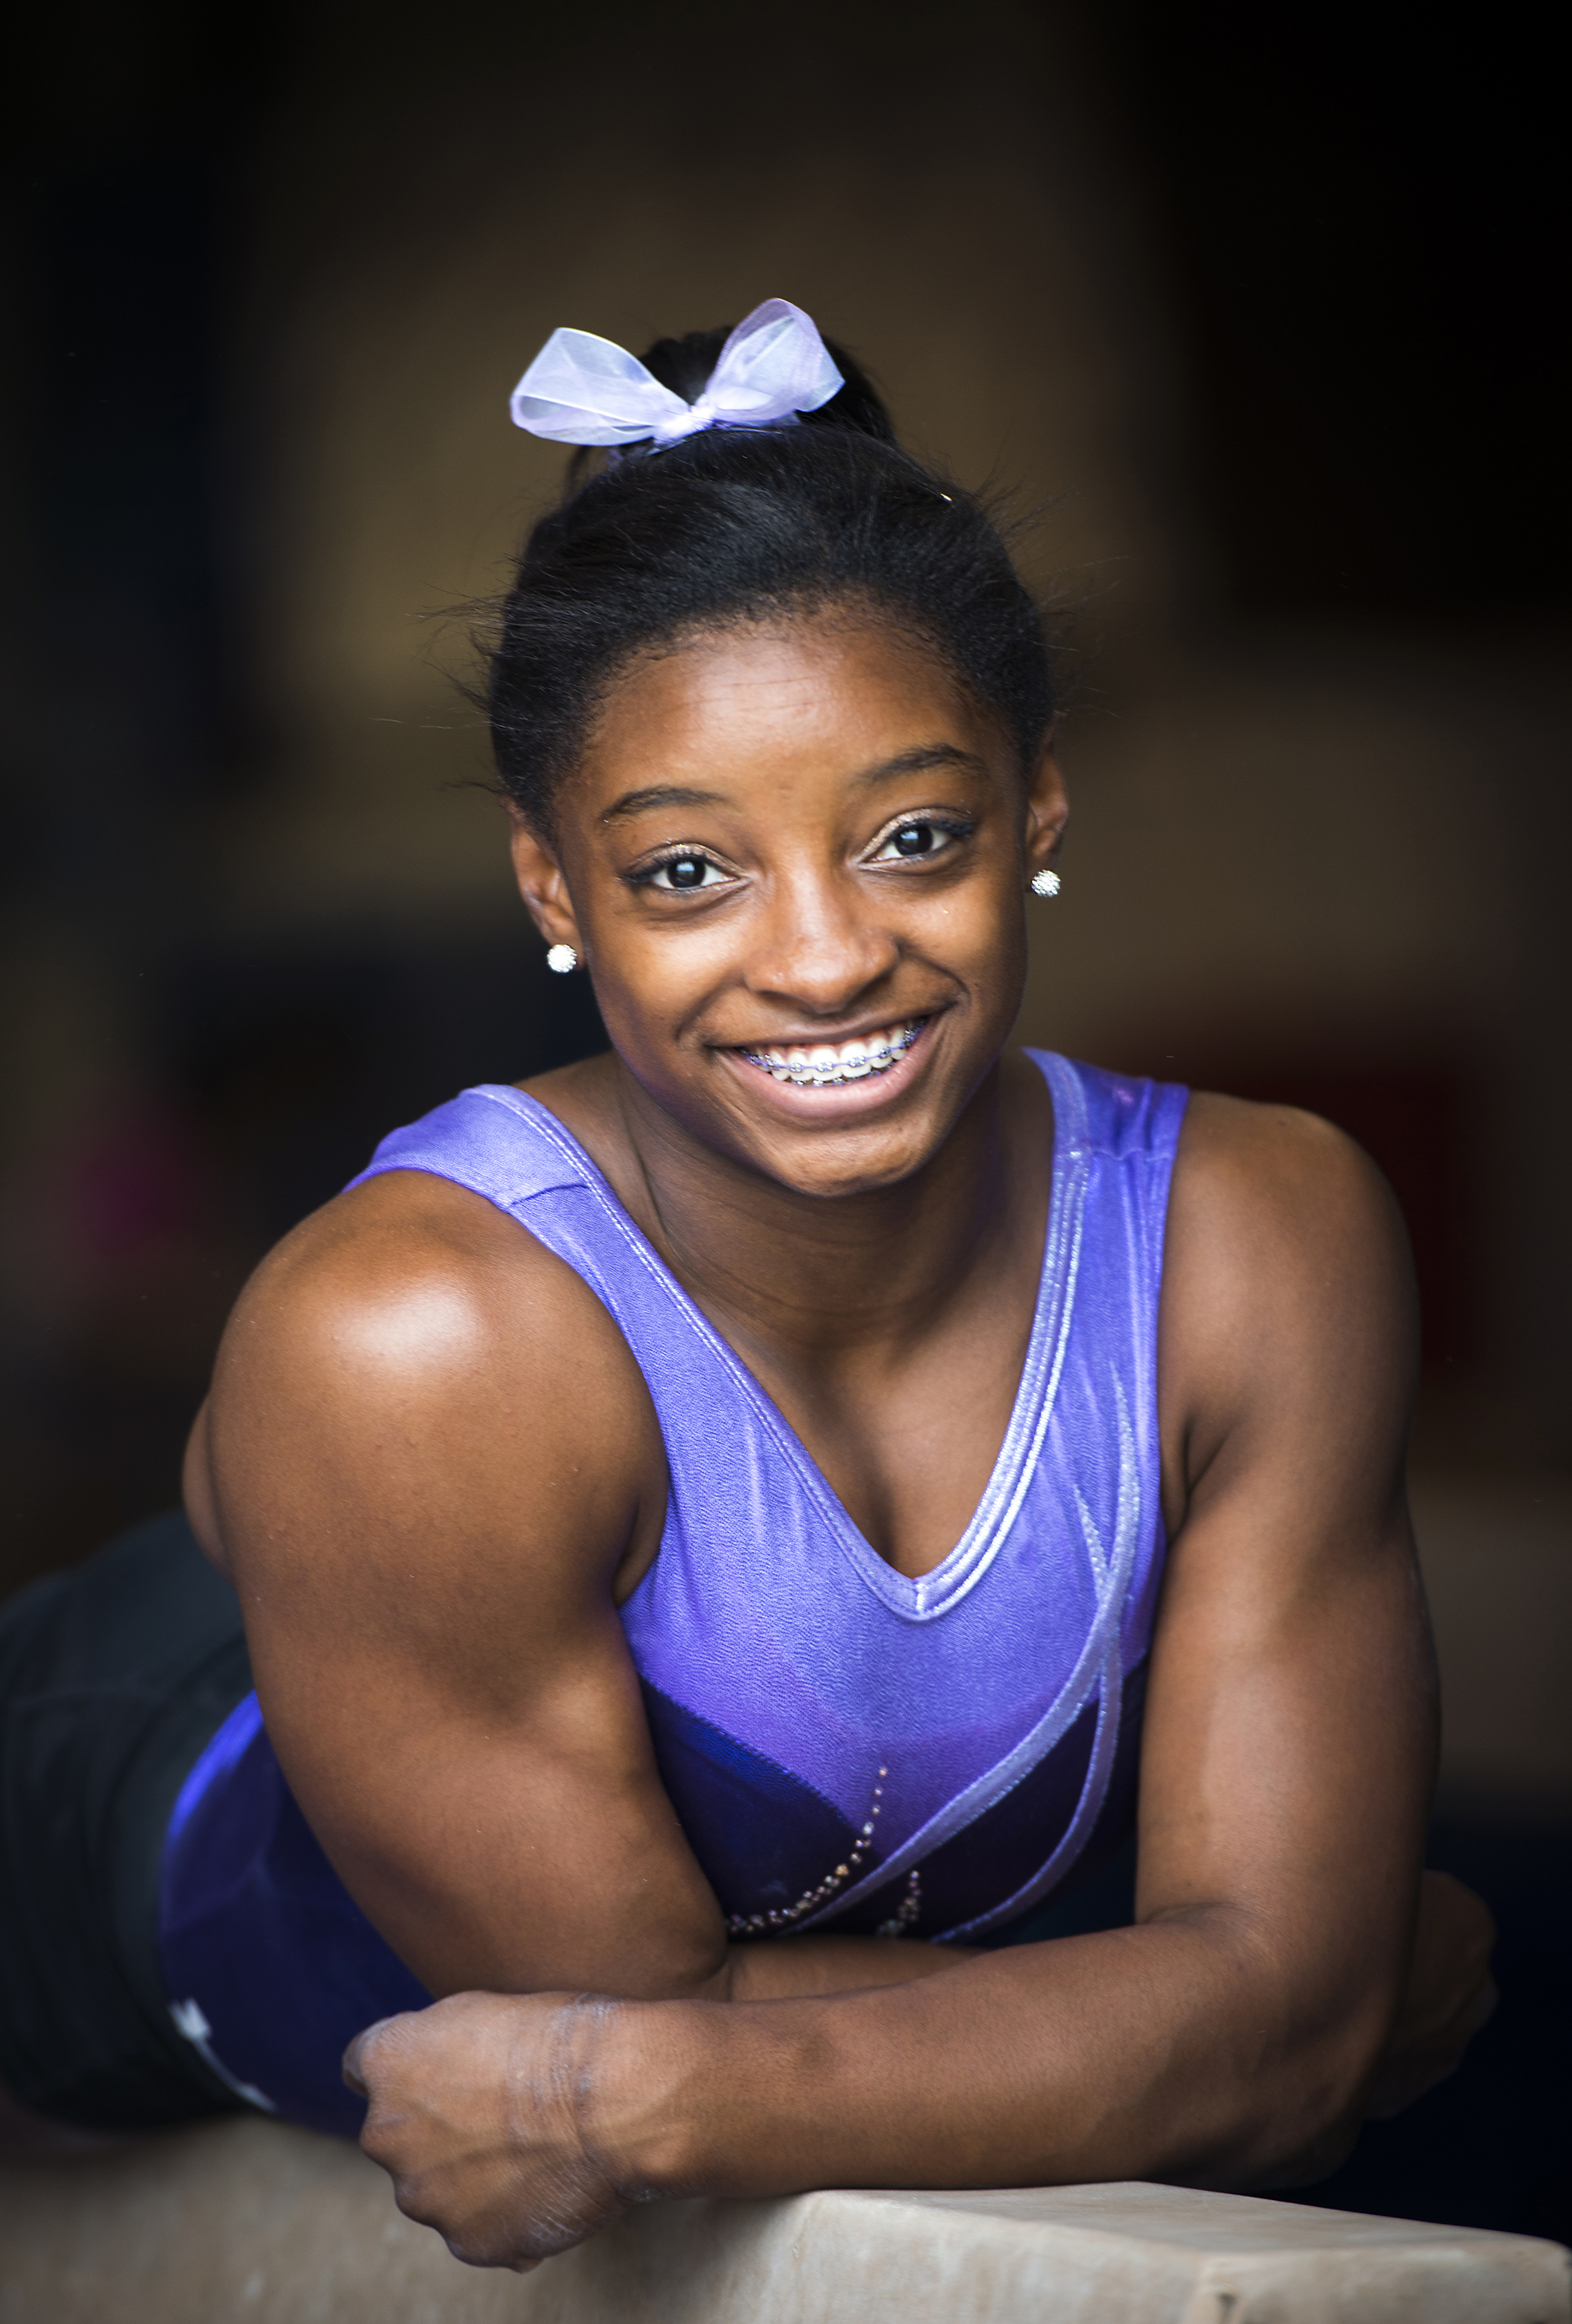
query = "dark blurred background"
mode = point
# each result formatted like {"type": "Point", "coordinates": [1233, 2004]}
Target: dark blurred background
{"type": "Point", "coordinates": [1259, 309]}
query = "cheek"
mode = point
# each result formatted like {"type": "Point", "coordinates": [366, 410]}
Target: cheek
{"type": "Point", "coordinates": [976, 925]}
{"type": "Point", "coordinates": [647, 991]}
{"type": "Point", "coordinates": [659, 969]}
{"type": "Point", "coordinates": [984, 948]}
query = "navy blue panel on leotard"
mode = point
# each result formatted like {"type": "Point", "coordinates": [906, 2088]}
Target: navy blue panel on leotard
{"type": "Point", "coordinates": [272, 1967]}
{"type": "Point", "coordinates": [761, 1834]}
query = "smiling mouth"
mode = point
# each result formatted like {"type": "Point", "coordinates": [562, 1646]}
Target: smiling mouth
{"type": "Point", "coordinates": [831, 1064]}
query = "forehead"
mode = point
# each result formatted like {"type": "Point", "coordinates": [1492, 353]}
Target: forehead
{"type": "Point", "coordinates": [816, 694]}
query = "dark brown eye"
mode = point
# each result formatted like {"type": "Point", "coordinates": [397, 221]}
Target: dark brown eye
{"type": "Point", "coordinates": [924, 836]}
{"type": "Point", "coordinates": [683, 872]}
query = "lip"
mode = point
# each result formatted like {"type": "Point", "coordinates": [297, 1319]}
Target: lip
{"type": "Point", "coordinates": [802, 1103]}
{"type": "Point", "coordinates": [811, 1034]}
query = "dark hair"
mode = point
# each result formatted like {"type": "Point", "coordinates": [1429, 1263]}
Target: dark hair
{"type": "Point", "coordinates": [737, 524]}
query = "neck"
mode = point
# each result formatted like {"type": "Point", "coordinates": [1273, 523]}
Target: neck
{"type": "Point", "coordinates": [810, 1276]}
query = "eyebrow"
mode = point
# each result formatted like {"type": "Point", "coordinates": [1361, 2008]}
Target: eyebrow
{"type": "Point", "coordinates": [661, 795]}
{"type": "Point", "coordinates": [918, 761]}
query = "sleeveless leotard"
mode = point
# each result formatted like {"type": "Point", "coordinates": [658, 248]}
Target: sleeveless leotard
{"type": "Point", "coordinates": [845, 1748]}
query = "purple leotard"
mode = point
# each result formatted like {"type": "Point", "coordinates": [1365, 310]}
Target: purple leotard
{"type": "Point", "coordinates": [846, 1749]}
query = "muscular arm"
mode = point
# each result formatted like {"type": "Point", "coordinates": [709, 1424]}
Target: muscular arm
{"type": "Point", "coordinates": [431, 1467]}
{"type": "Point", "coordinates": [1231, 2035]}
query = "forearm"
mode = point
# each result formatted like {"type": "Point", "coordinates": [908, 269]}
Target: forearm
{"type": "Point", "coordinates": [1179, 2050]}
{"type": "Point", "coordinates": [1157, 2051]}
{"type": "Point", "coordinates": [782, 1968]}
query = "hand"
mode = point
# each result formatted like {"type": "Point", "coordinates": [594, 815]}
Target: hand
{"type": "Point", "coordinates": [1450, 1995]}
{"type": "Point", "coordinates": [475, 2108]}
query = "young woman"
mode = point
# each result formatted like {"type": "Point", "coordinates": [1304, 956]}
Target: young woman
{"type": "Point", "coordinates": [728, 1531]}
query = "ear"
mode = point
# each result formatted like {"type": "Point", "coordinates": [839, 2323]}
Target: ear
{"type": "Point", "coordinates": [542, 886]}
{"type": "Point", "coordinates": [1048, 810]}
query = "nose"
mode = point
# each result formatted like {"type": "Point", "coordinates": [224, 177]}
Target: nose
{"type": "Point", "coordinates": [819, 945]}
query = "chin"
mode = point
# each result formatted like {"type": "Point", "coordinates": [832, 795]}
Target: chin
{"type": "Point", "coordinates": [831, 1167]}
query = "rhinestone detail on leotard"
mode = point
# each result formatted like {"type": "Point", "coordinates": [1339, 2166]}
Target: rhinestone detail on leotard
{"type": "Point", "coordinates": [762, 1924]}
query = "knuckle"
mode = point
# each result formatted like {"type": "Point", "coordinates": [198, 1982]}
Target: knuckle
{"type": "Point", "coordinates": [377, 2140]}
{"type": "Point", "coordinates": [414, 2195]}
{"type": "Point", "coordinates": [487, 2244]}
{"type": "Point", "coordinates": [366, 2054]}
{"type": "Point", "coordinates": [473, 2250]}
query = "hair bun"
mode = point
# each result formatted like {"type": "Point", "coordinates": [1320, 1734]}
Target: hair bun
{"type": "Point", "coordinates": [685, 364]}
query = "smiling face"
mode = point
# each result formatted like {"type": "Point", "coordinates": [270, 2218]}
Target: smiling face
{"type": "Point", "coordinates": [795, 860]}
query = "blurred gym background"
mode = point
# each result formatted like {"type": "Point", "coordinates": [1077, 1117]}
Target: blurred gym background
{"type": "Point", "coordinates": [1252, 309]}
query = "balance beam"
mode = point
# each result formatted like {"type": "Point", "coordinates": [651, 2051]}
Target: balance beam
{"type": "Point", "coordinates": [245, 2222]}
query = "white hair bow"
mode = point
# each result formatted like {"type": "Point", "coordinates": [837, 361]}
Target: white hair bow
{"type": "Point", "coordinates": [584, 390]}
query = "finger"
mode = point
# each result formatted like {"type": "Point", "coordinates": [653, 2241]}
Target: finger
{"type": "Point", "coordinates": [353, 2068]}
{"type": "Point", "coordinates": [1447, 1907]}
{"type": "Point", "coordinates": [1481, 2011]}
{"type": "Point", "coordinates": [490, 2254]}
{"type": "Point", "coordinates": [498, 2250]}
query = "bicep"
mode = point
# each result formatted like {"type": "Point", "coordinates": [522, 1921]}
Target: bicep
{"type": "Point", "coordinates": [517, 1839]}
{"type": "Point", "coordinates": [1290, 1736]}
{"type": "Point", "coordinates": [425, 1475]}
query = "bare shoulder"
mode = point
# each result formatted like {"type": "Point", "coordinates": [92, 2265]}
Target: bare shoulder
{"type": "Point", "coordinates": [1287, 1285]}
{"type": "Point", "coordinates": [421, 1284]}
{"type": "Point", "coordinates": [410, 1347]}
{"type": "Point", "coordinates": [1253, 1176]}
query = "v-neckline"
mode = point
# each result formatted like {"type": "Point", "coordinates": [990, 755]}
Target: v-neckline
{"type": "Point", "coordinates": [917, 1597]}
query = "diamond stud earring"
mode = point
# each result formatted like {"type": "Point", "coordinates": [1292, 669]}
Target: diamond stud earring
{"type": "Point", "coordinates": [1045, 883]}
{"type": "Point", "coordinates": [563, 959]}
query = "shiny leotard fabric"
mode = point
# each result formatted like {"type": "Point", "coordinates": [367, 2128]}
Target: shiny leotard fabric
{"type": "Point", "coordinates": [846, 1749]}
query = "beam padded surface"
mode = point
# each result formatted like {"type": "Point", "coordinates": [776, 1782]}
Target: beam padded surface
{"type": "Point", "coordinates": [244, 2222]}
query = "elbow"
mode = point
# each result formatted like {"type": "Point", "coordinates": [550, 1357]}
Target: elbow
{"type": "Point", "coordinates": [1304, 2115]}
{"type": "Point", "coordinates": [1301, 2150]}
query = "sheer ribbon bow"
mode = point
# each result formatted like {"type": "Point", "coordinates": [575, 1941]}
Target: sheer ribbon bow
{"type": "Point", "coordinates": [585, 390]}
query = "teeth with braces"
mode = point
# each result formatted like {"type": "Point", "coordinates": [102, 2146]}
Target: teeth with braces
{"type": "Point", "coordinates": [831, 1065]}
